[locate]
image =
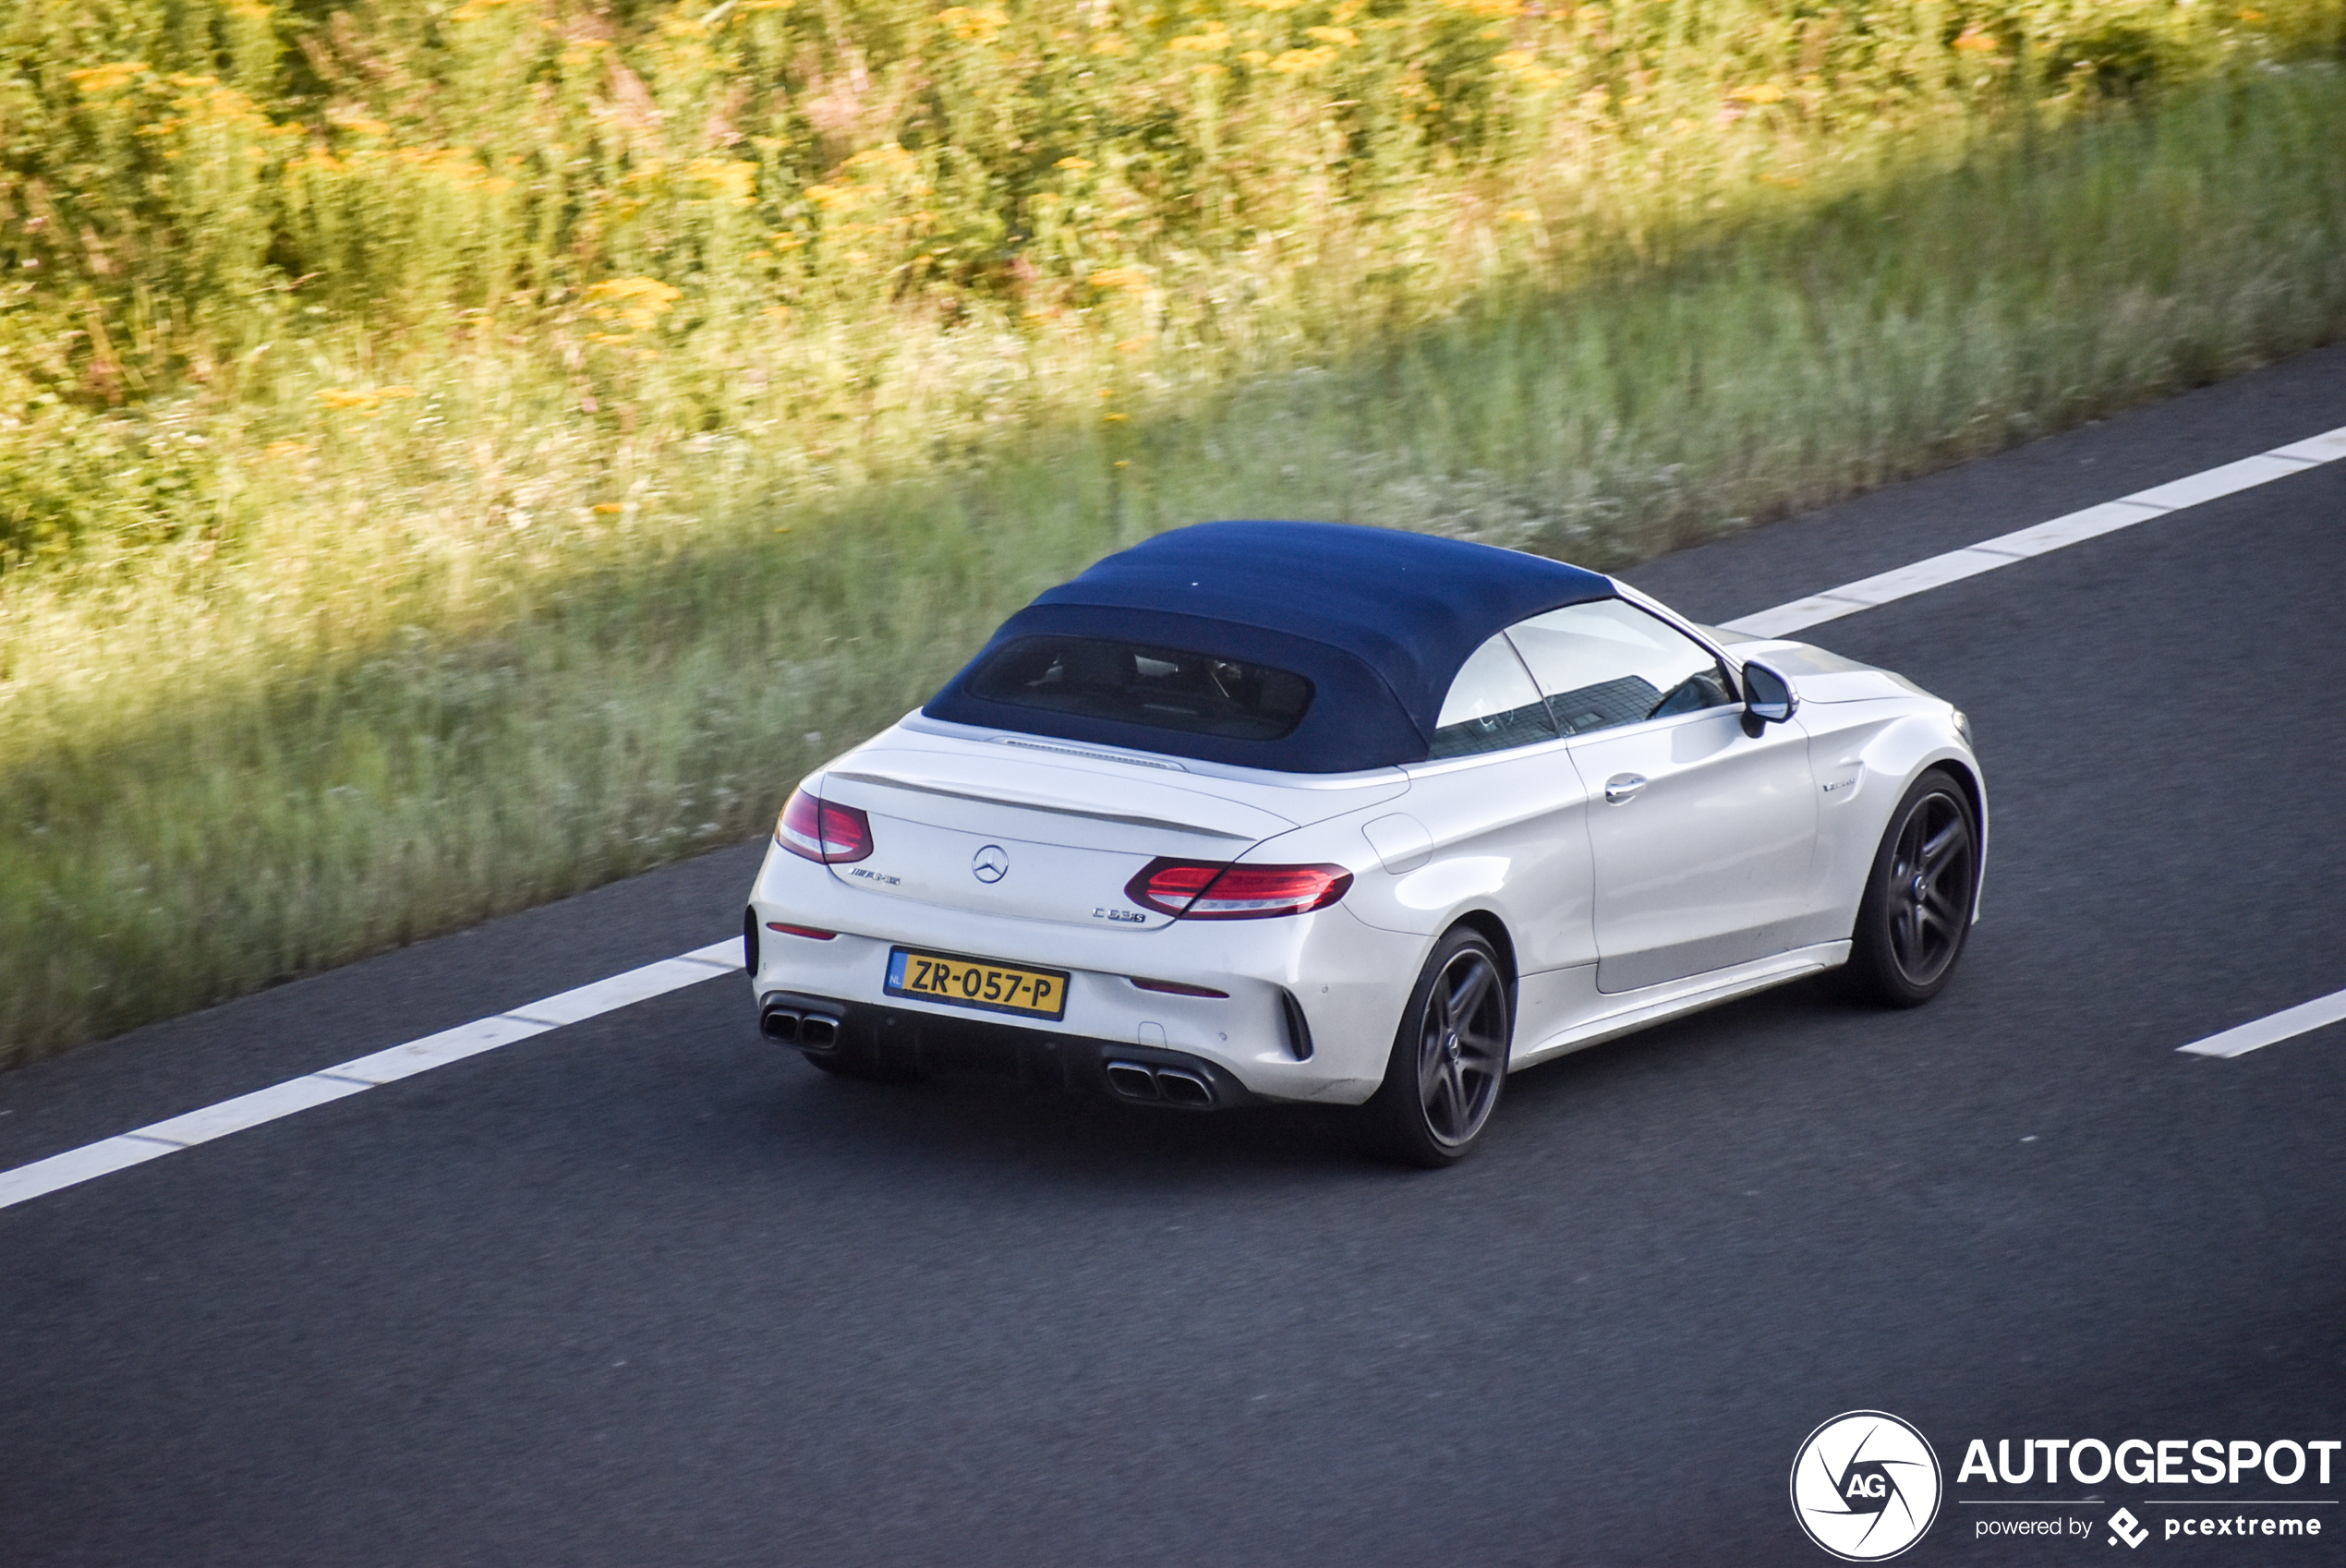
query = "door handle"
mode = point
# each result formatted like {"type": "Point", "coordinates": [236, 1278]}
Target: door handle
{"type": "Point", "coordinates": [1623, 787]}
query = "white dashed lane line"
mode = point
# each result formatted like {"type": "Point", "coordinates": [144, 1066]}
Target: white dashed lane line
{"type": "Point", "coordinates": [2042, 538]}
{"type": "Point", "coordinates": [2303, 1019]}
{"type": "Point", "coordinates": [327, 1084]}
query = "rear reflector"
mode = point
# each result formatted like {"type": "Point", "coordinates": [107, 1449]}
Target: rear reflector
{"type": "Point", "coordinates": [1175, 988]}
{"type": "Point", "coordinates": [823, 830]}
{"type": "Point", "coordinates": [807, 931]}
{"type": "Point", "coordinates": [1204, 890]}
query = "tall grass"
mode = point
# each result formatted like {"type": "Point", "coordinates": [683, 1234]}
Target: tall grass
{"type": "Point", "coordinates": [517, 472]}
{"type": "Point", "coordinates": [263, 259]}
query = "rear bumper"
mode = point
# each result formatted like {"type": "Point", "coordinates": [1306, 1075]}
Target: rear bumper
{"type": "Point", "coordinates": [1306, 1010]}
{"type": "Point", "coordinates": [901, 1038]}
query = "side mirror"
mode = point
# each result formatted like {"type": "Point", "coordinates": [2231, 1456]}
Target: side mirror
{"type": "Point", "coordinates": [1767, 698]}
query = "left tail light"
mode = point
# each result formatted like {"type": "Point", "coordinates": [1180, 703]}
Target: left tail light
{"type": "Point", "coordinates": [1205, 890]}
{"type": "Point", "coordinates": [823, 830]}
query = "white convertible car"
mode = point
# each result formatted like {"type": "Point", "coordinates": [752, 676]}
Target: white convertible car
{"type": "Point", "coordinates": [1306, 812]}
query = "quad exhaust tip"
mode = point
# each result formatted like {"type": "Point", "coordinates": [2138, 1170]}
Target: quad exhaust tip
{"type": "Point", "coordinates": [1159, 1086]}
{"type": "Point", "coordinates": [808, 1031]}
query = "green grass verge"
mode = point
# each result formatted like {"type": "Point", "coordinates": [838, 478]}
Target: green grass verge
{"type": "Point", "coordinates": [219, 771]}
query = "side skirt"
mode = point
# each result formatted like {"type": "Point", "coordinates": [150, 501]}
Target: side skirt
{"type": "Point", "coordinates": [1623, 1012]}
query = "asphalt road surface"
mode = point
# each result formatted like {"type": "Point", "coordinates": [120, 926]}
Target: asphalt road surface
{"type": "Point", "coordinates": [644, 1290]}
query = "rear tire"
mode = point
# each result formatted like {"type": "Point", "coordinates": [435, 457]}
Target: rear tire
{"type": "Point", "coordinates": [1449, 1058]}
{"type": "Point", "coordinates": [1915, 914]}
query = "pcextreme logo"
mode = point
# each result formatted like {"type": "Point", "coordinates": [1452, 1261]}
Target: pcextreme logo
{"type": "Point", "coordinates": [1865, 1486]}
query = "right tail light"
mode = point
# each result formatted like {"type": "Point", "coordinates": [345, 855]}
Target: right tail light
{"type": "Point", "coordinates": [1211, 890]}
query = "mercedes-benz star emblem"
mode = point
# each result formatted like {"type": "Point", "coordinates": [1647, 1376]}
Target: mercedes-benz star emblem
{"type": "Point", "coordinates": [991, 864]}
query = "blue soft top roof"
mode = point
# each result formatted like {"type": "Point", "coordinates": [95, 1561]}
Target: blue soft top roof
{"type": "Point", "coordinates": [1378, 619]}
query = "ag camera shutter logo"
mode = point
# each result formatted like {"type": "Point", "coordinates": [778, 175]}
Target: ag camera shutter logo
{"type": "Point", "coordinates": [1865, 1486]}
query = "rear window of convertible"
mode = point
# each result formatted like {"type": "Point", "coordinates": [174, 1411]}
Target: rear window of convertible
{"type": "Point", "coordinates": [1201, 693]}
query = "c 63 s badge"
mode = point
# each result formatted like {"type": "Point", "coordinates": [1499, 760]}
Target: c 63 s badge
{"type": "Point", "coordinates": [1865, 1486]}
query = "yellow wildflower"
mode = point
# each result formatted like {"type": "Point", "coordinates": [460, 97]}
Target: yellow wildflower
{"type": "Point", "coordinates": [1215, 37]}
{"type": "Point", "coordinates": [365, 400]}
{"type": "Point", "coordinates": [890, 158]}
{"type": "Point", "coordinates": [107, 78]}
{"type": "Point", "coordinates": [977, 24]}
{"type": "Point", "coordinates": [1295, 62]}
{"type": "Point", "coordinates": [633, 303]}
{"type": "Point", "coordinates": [730, 178]}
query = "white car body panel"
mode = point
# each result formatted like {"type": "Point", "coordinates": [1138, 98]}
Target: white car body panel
{"type": "Point", "coordinates": [1708, 866]}
{"type": "Point", "coordinates": [1512, 840]}
{"type": "Point", "coordinates": [1738, 866]}
{"type": "Point", "coordinates": [1590, 1016]}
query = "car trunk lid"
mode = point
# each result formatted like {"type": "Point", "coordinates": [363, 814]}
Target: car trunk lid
{"type": "Point", "coordinates": [973, 827]}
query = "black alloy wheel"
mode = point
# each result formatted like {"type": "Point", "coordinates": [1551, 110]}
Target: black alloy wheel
{"type": "Point", "coordinates": [1917, 911]}
{"type": "Point", "coordinates": [1449, 1058]}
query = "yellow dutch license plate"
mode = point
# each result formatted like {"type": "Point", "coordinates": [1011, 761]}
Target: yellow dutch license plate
{"type": "Point", "coordinates": [977, 982]}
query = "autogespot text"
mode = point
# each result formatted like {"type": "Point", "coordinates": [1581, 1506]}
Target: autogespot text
{"type": "Point", "coordinates": [2141, 1462]}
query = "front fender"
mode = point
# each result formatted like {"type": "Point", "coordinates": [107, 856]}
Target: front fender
{"type": "Point", "coordinates": [1864, 755]}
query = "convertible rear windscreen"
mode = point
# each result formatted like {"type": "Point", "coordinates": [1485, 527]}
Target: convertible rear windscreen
{"type": "Point", "coordinates": [1101, 678]}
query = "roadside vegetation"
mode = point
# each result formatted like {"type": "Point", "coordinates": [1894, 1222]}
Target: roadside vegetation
{"type": "Point", "coordinates": [451, 455]}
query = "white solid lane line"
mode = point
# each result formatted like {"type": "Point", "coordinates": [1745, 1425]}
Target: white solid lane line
{"type": "Point", "coordinates": [2303, 1019]}
{"type": "Point", "coordinates": [356, 1076]}
{"type": "Point", "coordinates": [1905, 582]}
